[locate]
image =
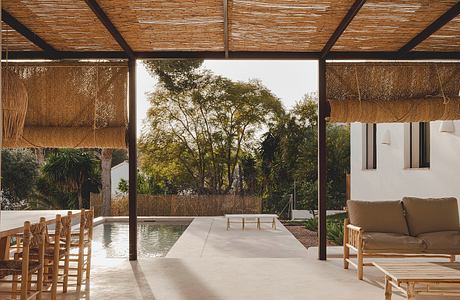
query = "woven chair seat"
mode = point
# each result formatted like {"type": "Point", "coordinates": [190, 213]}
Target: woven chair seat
{"type": "Point", "coordinates": [49, 253]}
{"type": "Point", "coordinates": [12, 267]}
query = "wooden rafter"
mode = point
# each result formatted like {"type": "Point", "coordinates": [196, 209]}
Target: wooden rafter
{"type": "Point", "coordinates": [352, 12]}
{"type": "Point", "coordinates": [102, 16]}
{"type": "Point", "coordinates": [27, 33]}
{"type": "Point", "coordinates": [343, 55]}
{"type": "Point", "coordinates": [432, 28]}
{"type": "Point", "coordinates": [226, 27]}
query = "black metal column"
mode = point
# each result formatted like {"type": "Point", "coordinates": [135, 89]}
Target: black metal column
{"type": "Point", "coordinates": [322, 159]}
{"type": "Point", "coordinates": [132, 152]}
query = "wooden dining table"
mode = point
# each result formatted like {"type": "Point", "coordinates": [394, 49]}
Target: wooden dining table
{"type": "Point", "coordinates": [12, 222]}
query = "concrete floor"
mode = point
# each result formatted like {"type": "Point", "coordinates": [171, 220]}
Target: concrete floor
{"type": "Point", "coordinates": [210, 263]}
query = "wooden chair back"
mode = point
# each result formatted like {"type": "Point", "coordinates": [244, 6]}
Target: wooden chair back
{"type": "Point", "coordinates": [34, 237]}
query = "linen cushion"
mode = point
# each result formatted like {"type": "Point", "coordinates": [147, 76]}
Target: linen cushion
{"type": "Point", "coordinates": [378, 216]}
{"type": "Point", "coordinates": [442, 241]}
{"type": "Point", "coordinates": [431, 214]}
{"type": "Point", "coordinates": [392, 242]}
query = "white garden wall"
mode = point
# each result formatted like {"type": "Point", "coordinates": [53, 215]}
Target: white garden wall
{"type": "Point", "coordinates": [391, 180]}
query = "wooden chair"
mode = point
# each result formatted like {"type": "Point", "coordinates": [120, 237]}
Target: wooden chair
{"type": "Point", "coordinates": [24, 268]}
{"type": "Point", "coordinates": [82, 240]}
{"type": "Point", "coordinates": [57, 249]}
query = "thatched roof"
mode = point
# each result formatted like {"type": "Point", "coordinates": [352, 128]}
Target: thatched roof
{"type": "Point", "coordinates": [73, 105]}
{"type": "Point", "coordinates": [260, 25]}
{"type": "Point", "coordinates": [393, 92]}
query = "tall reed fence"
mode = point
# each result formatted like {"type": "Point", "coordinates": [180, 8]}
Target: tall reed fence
{"type": "Point", "coordinates": [174, 205]}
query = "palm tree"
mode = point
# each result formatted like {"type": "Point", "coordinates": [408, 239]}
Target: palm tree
{"type": "Point", "coordinates": [70, 169]}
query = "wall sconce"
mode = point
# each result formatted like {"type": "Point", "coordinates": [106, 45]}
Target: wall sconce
{"type": "Point", "coordinates": [386, 138]}
{"type": "Point", "coordinates": [447, 126]}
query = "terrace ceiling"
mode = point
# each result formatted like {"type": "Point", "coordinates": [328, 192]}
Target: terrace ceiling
{"type": "Point", "coordinates": [233, 28]}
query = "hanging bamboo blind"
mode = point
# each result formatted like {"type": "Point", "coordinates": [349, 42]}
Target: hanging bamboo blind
{"type": "Point", "coordinates": [389, 25]}
{"type": "Point", "coordinates": [73, 105]}
{"type": "Point", "coordinates": [393, 92]}
{"type": "Point", "coordinates": [253, 25]}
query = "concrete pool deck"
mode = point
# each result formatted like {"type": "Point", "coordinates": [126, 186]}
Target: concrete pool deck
{"type": "Point", "coordinates": [210, 263]}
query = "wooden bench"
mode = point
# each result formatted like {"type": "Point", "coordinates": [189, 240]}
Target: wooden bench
{"type": "Point", "coordinates": [243, 219]}
{"type": "Point", "coordinates": [425, 278]}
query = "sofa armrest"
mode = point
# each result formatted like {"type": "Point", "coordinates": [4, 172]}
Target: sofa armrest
{"type": "Point", "coordinates": [353, 235]}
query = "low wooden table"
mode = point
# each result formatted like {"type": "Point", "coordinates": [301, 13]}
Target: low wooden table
{"type": "Point", "coordinates": [424, 278]}
{"type": "Point", "coordinates": [258, 217]}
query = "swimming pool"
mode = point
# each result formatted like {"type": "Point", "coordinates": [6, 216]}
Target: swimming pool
{"type": "Point", "coordinates": [154, 240]}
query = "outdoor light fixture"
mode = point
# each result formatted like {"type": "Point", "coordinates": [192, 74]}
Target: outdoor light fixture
{"type": "Point", "coordinates": [447, 126]}
{"type": "Point", "coordinates": [386, 138]}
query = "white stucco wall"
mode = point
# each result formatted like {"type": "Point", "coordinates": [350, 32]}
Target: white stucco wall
{"type": "Point", "coordinates": [120, 171]}
{"type": "Point", "coordinates": [391, 180]}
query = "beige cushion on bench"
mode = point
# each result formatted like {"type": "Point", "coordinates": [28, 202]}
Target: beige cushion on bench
{"type": "Point", "coordinates": [442, 242]}
{"type": "Point", "coordinates": [378, 216]}
{"type": "Point", "coordinates": [431, 214]}
{"type": "Point", "coordinates": [392, 242]}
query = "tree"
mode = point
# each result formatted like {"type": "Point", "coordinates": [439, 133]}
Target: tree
{"type": "Point", "coordinates": [201, 125]}
{"type": "Point", "coordinates": [106, 181]}
{"type": "Point", "coordinates": [72, 170]}
{"type": "Point", "coordinates": [288, 153]}
{"type": "Point", "coordinates": [19, 176]}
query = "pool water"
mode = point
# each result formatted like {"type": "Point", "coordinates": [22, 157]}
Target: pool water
{"type": "Point", "coordinates": [154, 240]}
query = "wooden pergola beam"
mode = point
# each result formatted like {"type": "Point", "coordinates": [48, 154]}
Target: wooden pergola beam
{"type": "Point", "coordinates": [102, 16]}
{"type": "Point", "coordinates": [432, 28]}
{"type": "Point", "coordinates": [237, 55]}
{"type": "Point", "coordinates": [352, 12]}
{"type": "Point", "coordinates": [225, 2]}
{"type": "Point", "coordinates": [27, 33]}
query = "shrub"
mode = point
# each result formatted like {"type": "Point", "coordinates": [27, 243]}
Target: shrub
{"type": "Point", "coordinates": [311, 224]}
{"type": "Point", "coordinates": [335, 232]}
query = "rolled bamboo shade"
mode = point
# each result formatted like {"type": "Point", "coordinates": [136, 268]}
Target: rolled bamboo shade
{"type": "Point", "coordinates": [73, 105]}
{"type": "Point", "coordinates": [393, 92]}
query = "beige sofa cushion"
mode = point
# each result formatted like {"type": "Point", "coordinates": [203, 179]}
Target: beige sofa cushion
{"type": "Point", "coordinates": [442, 241]}
{"type": "Point", "coordinates": [392, 242]}
{"type": "Point", "coordinates": [378, 216]}
{"type": "Point", "coordinates": [431, 214]}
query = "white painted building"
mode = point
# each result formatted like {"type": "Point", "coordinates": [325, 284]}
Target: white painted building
{"type": "Point", "coordinates": [119, 172]}
{"type": "Point", "coordinates": [396, 160]}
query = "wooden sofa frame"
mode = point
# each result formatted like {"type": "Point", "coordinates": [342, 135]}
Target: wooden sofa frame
{"type": "Point", "coordinates": [353, 240]}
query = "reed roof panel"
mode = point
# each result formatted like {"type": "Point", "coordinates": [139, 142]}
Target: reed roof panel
{"type": "Point", "coordinates": [389, 25]}
{"type": "Point", "coordinates": [168, 25]}
{"type": "Point", "coordinates": [283, 25]}
{"type": "Point", "coordinates": [64, 24]}
{"type": "Point", "coordinates": [14, 41]}
{"type": "Point", "coordinates": [445, 39]}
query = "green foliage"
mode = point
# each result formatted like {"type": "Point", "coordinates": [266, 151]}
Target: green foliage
{"type": "Point", "coordinates": [311, 224]}
{"type": "Point", "coordinates": [73, 171]}
{"type": "Point", "coordinates": [19, 175]}
{"type": "Point", "coordinates": [334, 232]}
{"type": "Point", "coordinates": [201, 126]}
{"type": "Point", "coordinates": [288, 153]}
{"type": "Point", "coordinates": [119, 156]}
{"type": "Point", "coordinates": [146, 185]}
{"type": "Point", "coordinates": [334, 227]}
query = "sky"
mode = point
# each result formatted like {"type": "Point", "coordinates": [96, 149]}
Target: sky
{"type": "Point", "coordinates": [288, 80]}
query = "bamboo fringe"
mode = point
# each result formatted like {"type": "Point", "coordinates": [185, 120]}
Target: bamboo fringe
{"type": "Point", "coordinates": [409, 110]}
{"type": "Point", "coordinates": [14, 104]}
